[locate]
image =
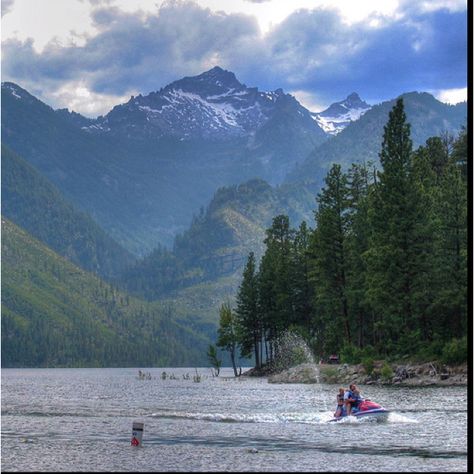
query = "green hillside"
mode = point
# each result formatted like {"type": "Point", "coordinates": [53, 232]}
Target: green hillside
{"type": "Point", "coordinates": [56, 315]}
{"type": "Point", "coordinates": [219, 239]}
{"type": "Point", "coordinates": [32, 202]}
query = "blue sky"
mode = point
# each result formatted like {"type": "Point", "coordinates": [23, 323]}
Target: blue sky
{"type": "Point", "coordinates": [89, 55]}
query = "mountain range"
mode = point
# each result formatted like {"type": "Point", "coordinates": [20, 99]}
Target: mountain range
{"type": "Point", "coordinates": [165, 196]}
{"type": "Point", "coordinates": [143, 170]}
{"type": "Point", "coordinates": [144, 188]}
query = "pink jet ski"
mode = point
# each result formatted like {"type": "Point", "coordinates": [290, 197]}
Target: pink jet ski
{"type": "Point", "coordinates": [365, 409]}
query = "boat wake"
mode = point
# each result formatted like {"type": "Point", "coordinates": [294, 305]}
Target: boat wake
{"type": "Point", "coordinates": [310, 418]}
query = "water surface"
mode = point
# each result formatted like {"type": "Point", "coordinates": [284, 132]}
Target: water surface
{"type": "Point", "coordinates": [81, 420]}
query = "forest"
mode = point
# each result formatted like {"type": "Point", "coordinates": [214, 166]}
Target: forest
{"type": "Point", "coordinates": [383, 273]}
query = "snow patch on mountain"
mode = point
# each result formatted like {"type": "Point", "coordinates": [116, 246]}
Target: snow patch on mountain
{"type": "Point", "coordinates": [212, 105]}
{"type": "Point", "coordinates": [340, 114]}
{"type": "Point", "coordinates": [14, 90]}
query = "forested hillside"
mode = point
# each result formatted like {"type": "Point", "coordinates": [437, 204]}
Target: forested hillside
{"type": "Point", "coordinates": [384, 272]}
{"type": "Point", "coordinates": [360, 141]}
{"type": "Point", "coordinates": [218, 239]}
{"type": "Point", "coordinates": [350, 285]}
{"type": "Point", "coordinates": [29, 200]}
{"type": "Point", "coordinates": [55, 314]}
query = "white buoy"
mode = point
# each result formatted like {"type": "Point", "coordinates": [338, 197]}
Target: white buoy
{"type": "Point", "coordinates": [137, 433]}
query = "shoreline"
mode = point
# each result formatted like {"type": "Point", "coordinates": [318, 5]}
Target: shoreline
{"type": "Point", "coordinates": [404, 375]}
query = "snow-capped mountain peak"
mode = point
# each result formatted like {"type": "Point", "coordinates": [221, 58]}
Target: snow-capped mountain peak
{"type": "Point", "coordinates": [338, 115]}
{"type": "Point", "coordinates": [211, 105]}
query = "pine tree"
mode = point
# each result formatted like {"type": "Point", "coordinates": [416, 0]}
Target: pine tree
{"type": "Point", "coordinates": [391, 259]}
{"type": "Point", "coordinates": [450, 304]}
{"type": "Point", "coordinates": [429, 164]}
{"type": "Point", "coordinates": [248, 322]}
{"type": "Point", "coordinates": [301, 288]}
{"type": "Point", "coordinates": [357, 241]}
{"type": "Point", "coordinates": [274, 282]}
{"type": "Point", "coordinates": [227, 333]}
{"type": "Point", "coordinates": [329, 263]}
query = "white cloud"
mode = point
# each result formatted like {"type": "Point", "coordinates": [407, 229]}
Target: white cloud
{"type": "Point", "coordinates": [66, 22]}
{"type": "Point", "coordinates": [451, 96]}
{"type": "Point", "coordinates": [450, 5]}
{"type": "Point", "coordinates": [310, 100]}
{"type": "Point", "coordinates": [312, 52]}
{"type": "Point", "coordinates": [76, 96]}
{"type": "Point", "coordinates": [6, 6]}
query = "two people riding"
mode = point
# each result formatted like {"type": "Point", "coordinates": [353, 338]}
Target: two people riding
{"type": "Point", "coordinates": [347, 401]}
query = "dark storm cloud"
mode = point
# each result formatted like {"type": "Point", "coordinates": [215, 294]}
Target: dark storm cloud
{"type": "Point", "coordinates": [316, 51]}
{"type": "Point", "coordinates": [313, 51]}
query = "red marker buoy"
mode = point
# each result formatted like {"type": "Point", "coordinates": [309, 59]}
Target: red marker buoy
{"type": "Point", "coordinates": [137, 433]}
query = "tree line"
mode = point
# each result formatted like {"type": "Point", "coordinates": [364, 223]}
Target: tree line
{"type": "Point", "coordinates": [384, 271]}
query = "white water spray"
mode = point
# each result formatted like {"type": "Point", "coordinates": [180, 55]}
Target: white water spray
{"type": "Point", "coordinates": [292, 352]}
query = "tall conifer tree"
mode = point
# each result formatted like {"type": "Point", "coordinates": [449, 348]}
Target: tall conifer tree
{"type": "Point", "coordinates": [274, 282]}
{"type": "Point", "coordinates": [329, 262]}
{"type": "Point", "coordinates": [359, 180]}
{"type": "Point", "coordinates": [301, 288]}
{"type": "Point", "coordinates": [390, 259]}
{"type": "Point", "coordinates": [248, 322]}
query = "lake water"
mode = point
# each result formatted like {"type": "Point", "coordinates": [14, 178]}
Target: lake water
{"type": "Point", "coordinates": [81, 420]}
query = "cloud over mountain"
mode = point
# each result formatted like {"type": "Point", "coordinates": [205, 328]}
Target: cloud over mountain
{"type": "Point", "coordinates": [311, 50]}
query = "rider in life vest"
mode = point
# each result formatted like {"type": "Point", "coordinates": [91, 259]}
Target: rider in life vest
{"type": "Point", "coordinates": [351, 398]}
{"type": "Point", "coordinates": [340, 411]}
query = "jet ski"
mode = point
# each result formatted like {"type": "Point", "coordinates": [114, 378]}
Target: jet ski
{"type": "Point", "coordinates": [365, 409]}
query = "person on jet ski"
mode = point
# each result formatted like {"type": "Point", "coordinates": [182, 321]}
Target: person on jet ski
{"type": "Point", "coordinates": [340, 403]}
{"type": "Point", "coordinates": [352, 398]}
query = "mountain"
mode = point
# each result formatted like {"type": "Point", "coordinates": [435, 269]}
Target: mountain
{"type": "Point", "coordinates": [36, 205]}
{"type": "Point", "coordinates": [340, 114]}
{"type": "Point", "coordinates": [143, 179]}
{"type": "Point", "coordinates": [142, 171]}
{"type": "Point", "coordinates": [361, 140]}
{"type": "Point", "coordinates": [274, 130]}
{"type": "Point", "coordinates": [219, 239]}
{"type": "Point", "coordinates": [145, 169]}
{"type": "Point", "coordinates": [213, 105]}
{"type": "Point", "coordinates": [56, 315]}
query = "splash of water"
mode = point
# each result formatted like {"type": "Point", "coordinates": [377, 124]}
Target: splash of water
{"type": "Point", "coordinates": [292, 350]}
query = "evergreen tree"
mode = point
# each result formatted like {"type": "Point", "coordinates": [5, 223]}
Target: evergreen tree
{"type": "Point", "coordinates": [450, 304]}
{"type": "Point", "coordinates": [275, 301]}
{"type": "Point", "coordinates": [301, 288]}
{"type": "Point", "coordinates": [391, 258]}
{"type": "Point", "coordinates": [361, 316]}
{"type": "Point", "coordinates": [227, 333]}
{"type": "Point", "coordinates": [329, 263]}
{"type": "Point", "coordinates": [248, 323]}
{"type": "Point", "coordinates": [459, 154]}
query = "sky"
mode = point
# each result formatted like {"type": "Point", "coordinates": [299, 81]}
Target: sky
{"type": "Point", "coordinates": [89, 55]}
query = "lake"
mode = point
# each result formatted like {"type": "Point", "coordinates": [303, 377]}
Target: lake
{"type": "Point", "coordinates": [81, 420]}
